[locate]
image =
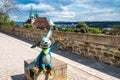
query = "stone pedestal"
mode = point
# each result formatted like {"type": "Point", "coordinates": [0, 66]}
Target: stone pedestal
{"type": "Point", "coordinates": [59, 71]}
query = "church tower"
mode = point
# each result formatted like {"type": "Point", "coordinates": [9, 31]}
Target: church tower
{"type": "Point", "coordinates": [36, 15]}
{"type": "Point", "coordinates": [36, 20]}
{"type": "Point", "coordinates": [31, 16]}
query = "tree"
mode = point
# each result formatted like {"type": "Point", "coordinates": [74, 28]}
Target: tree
{"type": "Point", "coordinates": [82, 27]}
{"type": "Point", "coordinates": [12, 23]}
{"type": "Point", "coordinates": [3, 18]}
{"type": "Point", "coordinates": [8, 6]}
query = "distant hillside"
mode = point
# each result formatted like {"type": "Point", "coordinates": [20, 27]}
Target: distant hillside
{"type": "Point", "coordinates": [100, 24]}
{"type": "Point", "coordinates": [97, 24]}
{"type": "Point", "coordinates": [105, 24]}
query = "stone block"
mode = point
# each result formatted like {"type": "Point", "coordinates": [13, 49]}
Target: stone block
{"type": "Point", "coordinates": [92, 51]}
{"type": "Point", "coordinates": [119, 49]}
{"type": "Point", "coordinates": [113, 61]}
{"type": "Point", "coordinates": [98, 48]}
{"type": "Point", "coordinates": [117, 64]}
{"type": "Point", "coordinates": [113, 49]}
{"type": "Point", "coordinates": [99, 53]}
{"type": "Point", "coordinates": [91, 45]}
{"type": "Point", "coordinates": [96, 58]}
{"type": "Point", "coordinates": [117, 54]}
{"type": "Point", "coordinates": [59, 71]}
{"type": "Point", "coordinates": [117, 57]}
{"type": "Point", "coordinates": [81, 43]}
{"type": "Point", "coordinates": [107, 54]}
{"type": "Point", "coordinates": [106, 60]}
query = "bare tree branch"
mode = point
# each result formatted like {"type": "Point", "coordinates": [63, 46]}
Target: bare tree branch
{"type": "Point", "coordinates": [8, 6]}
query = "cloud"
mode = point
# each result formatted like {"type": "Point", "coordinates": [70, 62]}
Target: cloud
{"type": "Point", "coordinates": [64, 14]}
{"type": "Point", "coordinates": [74, 10]}
{"type": "Point", "coordinates": [99, 4]}
{"type": "Point", "coordinates": [19, 18]}
{"type": "Point", "coordinates": [57, 2]}
{"type": "Point", "coordinates": [96, 16]}
{"type": "Point", "coordinates": [40, 6]}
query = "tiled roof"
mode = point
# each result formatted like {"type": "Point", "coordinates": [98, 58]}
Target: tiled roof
{"type": "Point", "coordinates": [41, 22]}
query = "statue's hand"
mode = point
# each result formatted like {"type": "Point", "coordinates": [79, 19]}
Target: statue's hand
{"type": "Point", "coordinates": [59, 38]}
{"type": "Point", "coordinates": [35, 69]}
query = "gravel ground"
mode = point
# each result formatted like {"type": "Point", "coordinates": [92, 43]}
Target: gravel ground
{"type": "Point", "coordinates": [13, 52]}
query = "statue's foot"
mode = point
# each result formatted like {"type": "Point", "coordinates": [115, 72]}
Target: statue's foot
{"type": "Point", "coordinates": [51, 73]}
{"type": "Point", "coordinates": [35, 69]}
{"type": "Point", "coordinates": [44, 71]}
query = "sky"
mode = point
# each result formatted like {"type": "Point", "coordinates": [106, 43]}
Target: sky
{"type": "Point", "coordinates": [70, 10]}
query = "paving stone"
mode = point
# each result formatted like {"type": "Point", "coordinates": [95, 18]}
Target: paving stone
{"type": "Point", "coordinates": [13, 52]}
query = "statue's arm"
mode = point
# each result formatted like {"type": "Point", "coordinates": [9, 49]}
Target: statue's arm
{"type": "Point", "coordinates": [54, 44]}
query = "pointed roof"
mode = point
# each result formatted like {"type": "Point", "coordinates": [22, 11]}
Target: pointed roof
{"type": "Point", "coordinates": [31, 12]}
{"type": "Point", "coordinates": [42, 22]}
{"type": "Point", "coordinates": [36, 14]}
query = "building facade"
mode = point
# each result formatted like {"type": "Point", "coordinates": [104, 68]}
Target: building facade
{"type": "Point", "coordinates": [37, 21]}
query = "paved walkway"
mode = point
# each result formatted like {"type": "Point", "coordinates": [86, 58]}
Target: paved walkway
{"type": "Point", "coordinates": [13, 52]}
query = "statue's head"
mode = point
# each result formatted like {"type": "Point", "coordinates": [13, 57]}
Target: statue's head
{"type": "Point", "coordinates": [45, 41]}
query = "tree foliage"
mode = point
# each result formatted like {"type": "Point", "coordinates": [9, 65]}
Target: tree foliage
{"type": "Point", "coordinates": [7, 7]}
{"type": "Point", "coordinates": [29, 26]}
{"type": "Point", "coordinates": [82, 27]}
{"type": "Point", "coordinates": [69, 30]}
{"type": "Point", "coordinates": [3, 18]}
{"type": "Point", "coordinates": [95, 31]}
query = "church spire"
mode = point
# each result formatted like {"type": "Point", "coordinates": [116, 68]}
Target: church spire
{"type": "Point", "coordinates": [31, 12]}
{"type": "Point", "coordinates": [37, 15]}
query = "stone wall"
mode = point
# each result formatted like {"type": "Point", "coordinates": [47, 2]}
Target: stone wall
{"type": "Point", "coordinates": [99, 47]}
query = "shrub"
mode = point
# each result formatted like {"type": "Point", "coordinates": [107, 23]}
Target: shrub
{"type": "Point", "coordinates": [12, 23]}
{"type": "Point", "coordinates": [115, 30]}
{"type": "Point", "coordinates": [61, 29]}
{"type": "Point", "coordinates": [42, 28]}
{"type": "Point", "coordinates": [6, 24]}
{"type": "Point", "coordinates": [69, 30]}
{"type": "Point", "coordinates": [95, 31]}
{"type": "Point", "coordinates": [29, 26]}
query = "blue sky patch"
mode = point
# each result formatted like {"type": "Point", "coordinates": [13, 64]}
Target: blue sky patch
{"type": "Point", "coordinates": [72, 10]}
